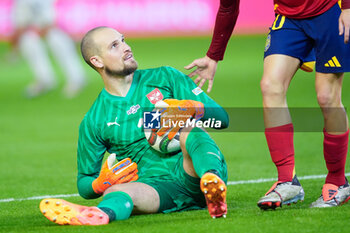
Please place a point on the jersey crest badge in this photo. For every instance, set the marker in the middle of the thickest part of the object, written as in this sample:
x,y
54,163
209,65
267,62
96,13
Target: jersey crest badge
x,y
155,96
197,91
268,43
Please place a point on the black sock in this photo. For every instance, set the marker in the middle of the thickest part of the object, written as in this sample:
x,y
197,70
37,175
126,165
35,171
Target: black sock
x,y
109,212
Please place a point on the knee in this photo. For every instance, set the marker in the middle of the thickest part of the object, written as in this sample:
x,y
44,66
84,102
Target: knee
x,y
113,188
323,99
328,99
271,88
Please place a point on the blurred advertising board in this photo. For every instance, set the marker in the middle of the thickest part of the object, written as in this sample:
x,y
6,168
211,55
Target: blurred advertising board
x,y
148,17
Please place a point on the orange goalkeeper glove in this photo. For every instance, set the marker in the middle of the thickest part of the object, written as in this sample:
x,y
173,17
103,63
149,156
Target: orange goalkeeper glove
x,y
123,172
176,111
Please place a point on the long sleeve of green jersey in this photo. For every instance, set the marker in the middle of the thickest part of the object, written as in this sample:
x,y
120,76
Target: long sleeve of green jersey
x,y
91,150
184,88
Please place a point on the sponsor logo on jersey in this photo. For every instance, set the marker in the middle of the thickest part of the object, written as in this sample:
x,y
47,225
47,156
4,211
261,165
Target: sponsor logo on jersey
x,y
197,91
113,123
268,42
333,62
155,96
133,109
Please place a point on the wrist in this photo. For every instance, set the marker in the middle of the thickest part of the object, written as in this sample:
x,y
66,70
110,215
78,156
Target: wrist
x,y
211,58
97,187
85,189
199,108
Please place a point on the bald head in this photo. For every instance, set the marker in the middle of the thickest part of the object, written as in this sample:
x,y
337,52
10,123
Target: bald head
x,y
89,46
106,51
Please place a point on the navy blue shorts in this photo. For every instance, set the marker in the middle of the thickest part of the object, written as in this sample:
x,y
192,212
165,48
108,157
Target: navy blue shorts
x,y
312,39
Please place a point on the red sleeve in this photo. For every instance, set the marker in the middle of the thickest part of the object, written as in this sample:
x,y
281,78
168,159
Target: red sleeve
x,y
345,4
225,22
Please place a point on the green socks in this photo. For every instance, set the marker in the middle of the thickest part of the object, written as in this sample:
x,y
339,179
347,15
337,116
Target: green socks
x,y
205,154
117,205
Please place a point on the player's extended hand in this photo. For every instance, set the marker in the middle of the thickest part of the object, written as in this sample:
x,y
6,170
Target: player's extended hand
x,y
178,111
344,24
123,172
205,69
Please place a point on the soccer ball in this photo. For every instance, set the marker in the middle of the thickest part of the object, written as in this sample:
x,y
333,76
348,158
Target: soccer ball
x,y
162,143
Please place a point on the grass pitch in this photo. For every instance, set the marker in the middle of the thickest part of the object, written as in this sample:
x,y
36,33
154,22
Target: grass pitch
x,y
39,137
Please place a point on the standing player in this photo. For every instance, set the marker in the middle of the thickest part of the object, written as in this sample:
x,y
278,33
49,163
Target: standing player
x,y
302,29
34,19
166,183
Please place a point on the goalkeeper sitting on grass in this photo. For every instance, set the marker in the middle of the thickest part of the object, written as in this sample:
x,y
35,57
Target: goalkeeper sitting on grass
x,y
145,181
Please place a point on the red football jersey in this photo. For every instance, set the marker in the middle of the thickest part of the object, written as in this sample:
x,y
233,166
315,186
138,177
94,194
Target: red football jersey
x,y
300,9
228,12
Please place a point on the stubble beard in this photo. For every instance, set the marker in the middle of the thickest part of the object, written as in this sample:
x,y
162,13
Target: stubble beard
x,y
128,69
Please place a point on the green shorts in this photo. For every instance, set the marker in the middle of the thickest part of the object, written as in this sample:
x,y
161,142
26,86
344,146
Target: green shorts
x,y
180,193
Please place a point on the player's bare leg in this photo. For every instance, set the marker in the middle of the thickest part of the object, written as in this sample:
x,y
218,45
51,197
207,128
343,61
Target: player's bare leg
x,y
33,50
144,200
187,160
212,186
336,189
64,50
278,73
328,89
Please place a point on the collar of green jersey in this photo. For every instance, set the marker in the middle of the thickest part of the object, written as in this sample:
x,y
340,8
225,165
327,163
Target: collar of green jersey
x,y
130,92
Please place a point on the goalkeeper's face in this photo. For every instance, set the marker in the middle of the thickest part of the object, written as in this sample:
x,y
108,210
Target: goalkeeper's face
x,y
116,55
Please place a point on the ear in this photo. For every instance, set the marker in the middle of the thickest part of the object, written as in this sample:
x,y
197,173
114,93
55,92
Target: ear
x,y
96,61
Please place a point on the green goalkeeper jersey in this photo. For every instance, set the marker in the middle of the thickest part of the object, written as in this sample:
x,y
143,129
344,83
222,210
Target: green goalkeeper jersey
x,y
114,124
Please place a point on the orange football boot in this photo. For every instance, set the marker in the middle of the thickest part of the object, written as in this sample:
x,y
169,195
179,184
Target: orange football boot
x,y
214,190
65,213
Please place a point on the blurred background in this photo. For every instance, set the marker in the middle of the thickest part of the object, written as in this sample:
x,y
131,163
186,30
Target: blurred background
x,y
147,18
40,35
